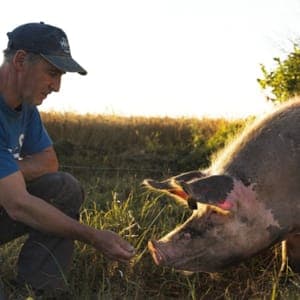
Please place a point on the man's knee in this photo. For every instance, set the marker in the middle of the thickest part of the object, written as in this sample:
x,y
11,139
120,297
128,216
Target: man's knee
x,y
60,189
71,190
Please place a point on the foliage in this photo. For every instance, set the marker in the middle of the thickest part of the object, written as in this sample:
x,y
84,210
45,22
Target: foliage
x,y
284,80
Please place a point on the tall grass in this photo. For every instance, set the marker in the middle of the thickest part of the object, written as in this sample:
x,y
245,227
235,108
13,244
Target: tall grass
x,y
111,155
138,143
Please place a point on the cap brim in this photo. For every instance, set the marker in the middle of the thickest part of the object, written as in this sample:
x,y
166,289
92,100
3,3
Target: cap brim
x,y
65,63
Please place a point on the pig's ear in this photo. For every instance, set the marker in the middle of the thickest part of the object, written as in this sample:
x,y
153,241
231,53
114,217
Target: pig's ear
x,y
157,185
171,187
169,184
212,190
189,176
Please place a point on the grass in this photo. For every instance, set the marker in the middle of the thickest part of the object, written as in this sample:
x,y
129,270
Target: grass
x,y
111,156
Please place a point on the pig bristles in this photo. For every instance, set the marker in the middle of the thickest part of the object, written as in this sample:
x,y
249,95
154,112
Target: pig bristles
x,y
233,145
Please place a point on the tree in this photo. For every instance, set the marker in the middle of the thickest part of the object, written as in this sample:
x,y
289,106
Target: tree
x,y
284,80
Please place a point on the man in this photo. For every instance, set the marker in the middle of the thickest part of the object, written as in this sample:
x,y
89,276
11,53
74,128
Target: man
x,y
35,197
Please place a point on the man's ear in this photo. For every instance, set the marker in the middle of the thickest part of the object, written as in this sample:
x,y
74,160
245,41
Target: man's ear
x,y
19,59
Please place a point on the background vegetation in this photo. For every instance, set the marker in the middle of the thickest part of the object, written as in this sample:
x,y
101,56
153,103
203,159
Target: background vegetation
x,y
111,156
283,82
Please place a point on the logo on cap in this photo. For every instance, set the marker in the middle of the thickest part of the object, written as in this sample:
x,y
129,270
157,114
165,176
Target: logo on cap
x,y
64,45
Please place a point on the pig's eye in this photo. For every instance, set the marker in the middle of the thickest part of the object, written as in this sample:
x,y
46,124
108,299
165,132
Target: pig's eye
x,y
198,232
187,236
191,233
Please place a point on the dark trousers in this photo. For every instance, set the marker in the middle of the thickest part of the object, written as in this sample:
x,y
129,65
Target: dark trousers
x,y
44,259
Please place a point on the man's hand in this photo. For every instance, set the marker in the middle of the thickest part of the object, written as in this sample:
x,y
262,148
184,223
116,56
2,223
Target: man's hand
x,y
113,246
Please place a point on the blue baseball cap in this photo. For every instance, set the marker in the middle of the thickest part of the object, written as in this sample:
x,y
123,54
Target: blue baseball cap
x,y
49,41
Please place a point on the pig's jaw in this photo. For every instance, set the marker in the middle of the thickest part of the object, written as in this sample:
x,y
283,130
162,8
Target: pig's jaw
x,y
184,263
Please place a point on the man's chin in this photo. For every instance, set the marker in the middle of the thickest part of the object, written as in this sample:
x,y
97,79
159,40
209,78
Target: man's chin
x,y
34,102
38,102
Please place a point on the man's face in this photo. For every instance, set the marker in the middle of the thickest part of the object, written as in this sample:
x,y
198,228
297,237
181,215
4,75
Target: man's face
x,y
38,80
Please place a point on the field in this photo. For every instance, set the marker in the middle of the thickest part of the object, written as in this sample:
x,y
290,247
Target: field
x,y
111,156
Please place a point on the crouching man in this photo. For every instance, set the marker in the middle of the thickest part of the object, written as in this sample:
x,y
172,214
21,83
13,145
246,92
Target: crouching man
x,y
36,198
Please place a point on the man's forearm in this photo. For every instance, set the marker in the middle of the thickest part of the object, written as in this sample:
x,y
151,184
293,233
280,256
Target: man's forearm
x,y
46,218
38,164
40,215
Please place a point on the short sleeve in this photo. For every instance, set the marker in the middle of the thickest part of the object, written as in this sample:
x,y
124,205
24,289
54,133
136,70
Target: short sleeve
x,y
36,136
8,164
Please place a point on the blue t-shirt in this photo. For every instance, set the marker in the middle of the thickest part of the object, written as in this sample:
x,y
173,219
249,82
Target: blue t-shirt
x,y
21,133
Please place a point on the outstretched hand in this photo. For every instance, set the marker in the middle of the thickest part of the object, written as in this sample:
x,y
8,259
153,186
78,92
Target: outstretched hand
x,y
113,246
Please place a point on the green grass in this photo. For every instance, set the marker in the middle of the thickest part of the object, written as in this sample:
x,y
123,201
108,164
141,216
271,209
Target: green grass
x,y
111,159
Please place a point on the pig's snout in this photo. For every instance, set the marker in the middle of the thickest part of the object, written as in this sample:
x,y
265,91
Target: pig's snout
x,y
156,253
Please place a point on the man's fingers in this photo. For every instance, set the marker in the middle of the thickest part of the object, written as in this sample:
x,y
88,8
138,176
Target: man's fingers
x,y
122,252
115,247
127,251
126,246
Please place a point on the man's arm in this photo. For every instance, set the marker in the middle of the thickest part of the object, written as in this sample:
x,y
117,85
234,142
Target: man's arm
x,y
36,213
38,164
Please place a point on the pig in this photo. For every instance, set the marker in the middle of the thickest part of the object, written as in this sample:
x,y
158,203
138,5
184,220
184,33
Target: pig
x,y
245,202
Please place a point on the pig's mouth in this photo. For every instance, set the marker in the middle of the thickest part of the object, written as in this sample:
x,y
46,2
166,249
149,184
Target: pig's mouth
x,y
157,255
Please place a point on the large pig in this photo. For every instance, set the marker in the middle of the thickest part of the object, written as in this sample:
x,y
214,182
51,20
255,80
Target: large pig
x,y
248,200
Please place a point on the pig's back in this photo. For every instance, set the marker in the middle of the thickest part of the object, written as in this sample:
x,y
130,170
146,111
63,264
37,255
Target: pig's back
x,y
267,155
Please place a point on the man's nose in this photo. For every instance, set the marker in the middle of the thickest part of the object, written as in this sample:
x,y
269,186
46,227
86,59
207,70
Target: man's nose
x,y
55,84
